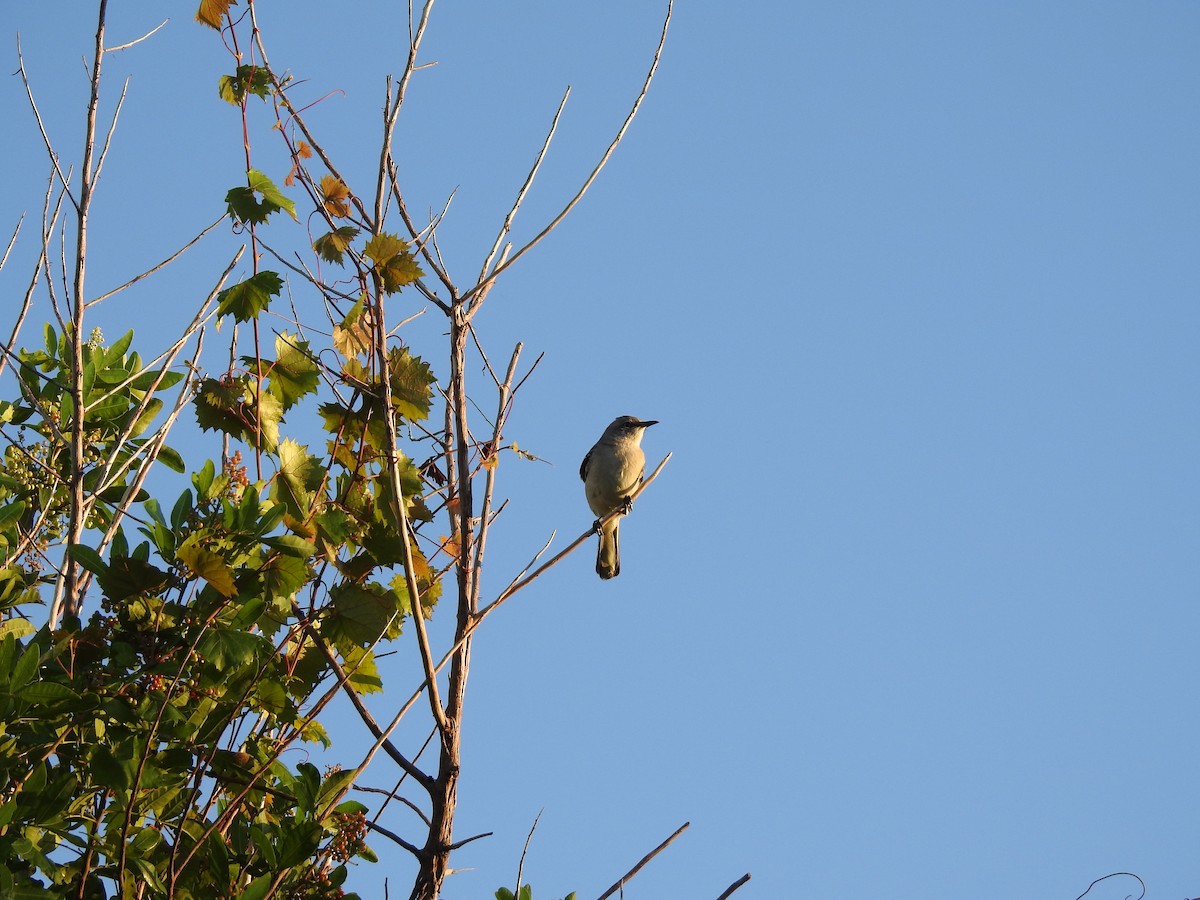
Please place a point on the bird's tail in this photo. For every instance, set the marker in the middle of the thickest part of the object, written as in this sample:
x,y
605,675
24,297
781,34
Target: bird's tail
x,y
608,554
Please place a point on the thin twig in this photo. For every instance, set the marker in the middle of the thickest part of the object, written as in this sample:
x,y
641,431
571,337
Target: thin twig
x,y
641,862
395,838
137,40
41,126
574,201
537,164
525,851
166,262
466,841
11,241
733,887
108,136
1114,875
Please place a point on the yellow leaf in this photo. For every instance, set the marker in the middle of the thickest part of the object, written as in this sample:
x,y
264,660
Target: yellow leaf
x,y
212,12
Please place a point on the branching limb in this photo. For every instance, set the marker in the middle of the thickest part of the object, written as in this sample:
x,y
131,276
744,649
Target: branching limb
x,y
574,201
395,838
537,164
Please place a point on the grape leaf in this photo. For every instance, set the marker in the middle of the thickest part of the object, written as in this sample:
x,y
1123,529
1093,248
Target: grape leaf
x,y
248,298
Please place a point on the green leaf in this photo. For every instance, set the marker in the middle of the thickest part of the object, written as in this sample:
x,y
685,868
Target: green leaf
x,y
18,628
295,372
299,474
292,545
246,299
143,421
170,458
364,673
282,576
332,247
393,261
230,650
362,613
11,513
208,565
147,380
412,384
248,80
127,576
202,480
110,771
88,558
244,205
258,888
232,405
44,693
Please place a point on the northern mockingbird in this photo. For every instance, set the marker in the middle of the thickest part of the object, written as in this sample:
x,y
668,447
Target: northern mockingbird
x,y
611,471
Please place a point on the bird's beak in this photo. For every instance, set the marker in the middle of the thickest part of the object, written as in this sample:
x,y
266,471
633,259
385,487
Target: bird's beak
x,y
647,424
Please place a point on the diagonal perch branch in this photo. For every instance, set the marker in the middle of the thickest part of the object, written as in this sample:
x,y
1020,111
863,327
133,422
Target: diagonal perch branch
x,y
641,862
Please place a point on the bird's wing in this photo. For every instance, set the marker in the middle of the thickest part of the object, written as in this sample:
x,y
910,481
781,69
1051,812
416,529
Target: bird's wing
x,y
583,467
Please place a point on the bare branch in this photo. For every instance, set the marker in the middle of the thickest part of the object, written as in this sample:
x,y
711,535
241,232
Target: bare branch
x,y
641,862
137,40
41,126
27,301
166,262
733,887
11,241
395,838
108,136
466,841
525,851
479,617
554,223
392,114
537,164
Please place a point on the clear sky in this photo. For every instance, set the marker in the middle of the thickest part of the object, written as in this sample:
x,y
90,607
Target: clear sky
x,y
914,291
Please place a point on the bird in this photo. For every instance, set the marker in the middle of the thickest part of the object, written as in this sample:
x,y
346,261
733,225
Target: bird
x,y
611,472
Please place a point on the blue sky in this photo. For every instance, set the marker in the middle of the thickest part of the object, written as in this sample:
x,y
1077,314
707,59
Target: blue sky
x,y
912,288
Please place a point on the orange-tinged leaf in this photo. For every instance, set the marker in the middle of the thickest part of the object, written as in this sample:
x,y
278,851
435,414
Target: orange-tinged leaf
x,y
449,547
336,195
304,151
212,12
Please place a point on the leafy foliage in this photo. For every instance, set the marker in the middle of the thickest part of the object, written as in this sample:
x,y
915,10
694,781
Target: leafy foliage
x,y
393,261
248,80
245,300
244,205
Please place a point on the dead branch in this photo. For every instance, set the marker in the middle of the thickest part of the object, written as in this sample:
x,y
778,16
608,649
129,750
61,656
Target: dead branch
x,y
641,862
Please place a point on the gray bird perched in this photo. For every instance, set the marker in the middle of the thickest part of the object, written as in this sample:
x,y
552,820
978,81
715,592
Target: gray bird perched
x,y
611,471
